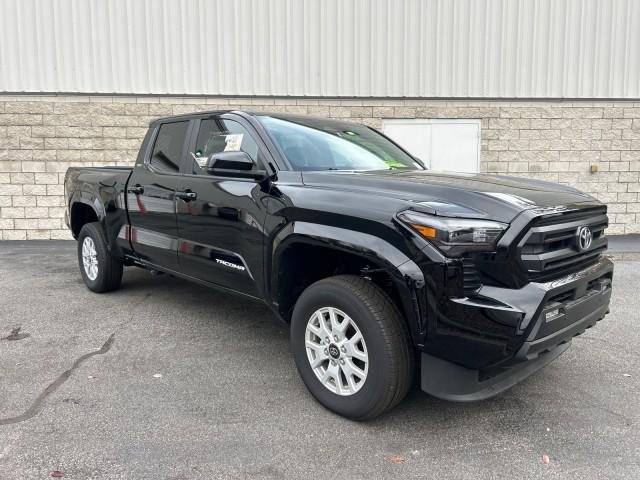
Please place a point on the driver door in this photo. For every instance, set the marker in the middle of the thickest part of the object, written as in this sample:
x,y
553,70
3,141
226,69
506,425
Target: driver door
x,y
220,219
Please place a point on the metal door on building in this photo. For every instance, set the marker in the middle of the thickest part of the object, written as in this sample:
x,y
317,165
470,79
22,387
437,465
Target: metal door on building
x,y
442,144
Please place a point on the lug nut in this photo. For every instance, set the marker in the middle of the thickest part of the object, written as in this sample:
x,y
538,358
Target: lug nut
x,y
342,361
326,352
326,339
344,349
335,337
333,362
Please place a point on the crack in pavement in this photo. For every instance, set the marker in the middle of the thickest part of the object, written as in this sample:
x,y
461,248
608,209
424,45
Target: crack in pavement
x,y
15,335
37,405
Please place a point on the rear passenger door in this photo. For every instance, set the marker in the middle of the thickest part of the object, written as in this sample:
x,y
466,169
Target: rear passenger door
x,y
151,197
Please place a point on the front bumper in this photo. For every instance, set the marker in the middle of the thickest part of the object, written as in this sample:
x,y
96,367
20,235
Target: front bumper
x,y
531,327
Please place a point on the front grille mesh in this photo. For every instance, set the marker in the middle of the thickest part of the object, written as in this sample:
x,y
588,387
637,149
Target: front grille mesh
x,y
550,250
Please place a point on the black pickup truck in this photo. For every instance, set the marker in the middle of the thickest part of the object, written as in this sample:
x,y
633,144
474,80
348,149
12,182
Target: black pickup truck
x,y
384,271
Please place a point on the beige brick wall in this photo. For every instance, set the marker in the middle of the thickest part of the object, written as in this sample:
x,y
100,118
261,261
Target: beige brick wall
x,y
41,136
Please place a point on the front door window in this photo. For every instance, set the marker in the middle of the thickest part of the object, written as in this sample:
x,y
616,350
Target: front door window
x,y
221,135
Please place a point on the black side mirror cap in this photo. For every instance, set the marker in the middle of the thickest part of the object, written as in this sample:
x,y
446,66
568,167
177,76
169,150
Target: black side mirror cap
x,y
229,161
234,165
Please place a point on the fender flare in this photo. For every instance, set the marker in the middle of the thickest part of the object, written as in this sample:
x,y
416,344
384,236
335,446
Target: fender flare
x,y
90,199
405,273
95,203
102,200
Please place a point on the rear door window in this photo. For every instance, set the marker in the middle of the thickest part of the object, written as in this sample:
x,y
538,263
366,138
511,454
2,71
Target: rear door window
x,y
167,150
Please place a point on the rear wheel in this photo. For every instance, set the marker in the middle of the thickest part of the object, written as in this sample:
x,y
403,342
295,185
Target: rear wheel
x,y
351,347
100,271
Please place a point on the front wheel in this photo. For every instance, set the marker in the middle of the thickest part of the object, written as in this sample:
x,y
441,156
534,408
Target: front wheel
x,y
100,271
351,347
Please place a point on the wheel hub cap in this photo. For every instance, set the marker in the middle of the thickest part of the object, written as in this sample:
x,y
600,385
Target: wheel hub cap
x,y
336,351
90,258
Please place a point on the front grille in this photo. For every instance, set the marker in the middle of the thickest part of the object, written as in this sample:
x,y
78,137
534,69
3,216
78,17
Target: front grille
x,y
550,250
561,297
471,275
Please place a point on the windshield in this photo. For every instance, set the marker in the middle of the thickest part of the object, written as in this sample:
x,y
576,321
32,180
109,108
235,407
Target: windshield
x,y
319,144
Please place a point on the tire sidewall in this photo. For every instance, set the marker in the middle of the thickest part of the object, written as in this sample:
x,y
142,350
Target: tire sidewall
x,y
329,295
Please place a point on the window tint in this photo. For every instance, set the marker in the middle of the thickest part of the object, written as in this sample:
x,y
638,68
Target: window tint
x,y
168,147
219,135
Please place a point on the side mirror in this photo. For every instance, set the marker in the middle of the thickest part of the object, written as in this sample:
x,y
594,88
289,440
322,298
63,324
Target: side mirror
x,y
234,165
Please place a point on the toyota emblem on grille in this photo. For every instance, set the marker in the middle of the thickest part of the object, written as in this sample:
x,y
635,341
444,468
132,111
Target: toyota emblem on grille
x,y
584,238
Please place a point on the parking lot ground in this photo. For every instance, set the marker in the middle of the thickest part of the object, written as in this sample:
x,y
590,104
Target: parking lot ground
x,y
164,379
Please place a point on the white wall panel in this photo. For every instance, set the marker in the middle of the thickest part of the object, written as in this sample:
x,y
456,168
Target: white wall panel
x,y
381,48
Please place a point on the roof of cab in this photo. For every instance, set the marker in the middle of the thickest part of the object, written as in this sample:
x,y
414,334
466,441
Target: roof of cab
x,y
245,113
208,113
186,116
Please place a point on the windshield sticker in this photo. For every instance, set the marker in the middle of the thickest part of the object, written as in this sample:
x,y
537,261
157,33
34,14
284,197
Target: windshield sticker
x,y
233,142
394,164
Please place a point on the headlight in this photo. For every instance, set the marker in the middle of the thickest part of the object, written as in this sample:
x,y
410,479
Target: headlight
x,y
455,236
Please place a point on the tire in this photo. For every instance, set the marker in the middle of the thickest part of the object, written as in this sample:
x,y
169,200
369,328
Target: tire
x,y
390,357
108,273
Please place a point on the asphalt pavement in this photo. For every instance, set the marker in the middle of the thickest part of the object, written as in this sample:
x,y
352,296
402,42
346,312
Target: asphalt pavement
x,y
164,379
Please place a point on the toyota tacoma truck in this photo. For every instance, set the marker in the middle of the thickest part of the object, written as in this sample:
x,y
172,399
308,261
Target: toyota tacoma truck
x,y
387,274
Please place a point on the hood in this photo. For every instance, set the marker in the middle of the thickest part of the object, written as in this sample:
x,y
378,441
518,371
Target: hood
x,y
498,198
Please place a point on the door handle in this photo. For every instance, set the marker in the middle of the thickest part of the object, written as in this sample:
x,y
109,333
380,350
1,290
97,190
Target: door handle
x,y
136,189
187,195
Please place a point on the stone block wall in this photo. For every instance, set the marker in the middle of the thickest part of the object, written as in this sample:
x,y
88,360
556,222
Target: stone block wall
x,y
559,141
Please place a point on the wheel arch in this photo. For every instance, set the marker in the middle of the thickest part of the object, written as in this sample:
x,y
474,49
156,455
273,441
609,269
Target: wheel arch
x,y
83,209
304,253
87,206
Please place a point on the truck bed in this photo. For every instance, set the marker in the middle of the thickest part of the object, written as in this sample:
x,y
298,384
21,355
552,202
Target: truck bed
x,y
108,168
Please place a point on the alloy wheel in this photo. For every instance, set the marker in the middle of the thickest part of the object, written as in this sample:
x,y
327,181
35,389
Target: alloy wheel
x,y
336,351
90,258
